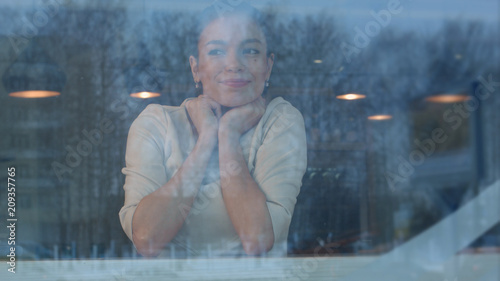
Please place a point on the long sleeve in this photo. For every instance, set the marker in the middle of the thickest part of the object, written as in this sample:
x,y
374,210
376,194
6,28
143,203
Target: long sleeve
x,y
145,161
161,138
280,164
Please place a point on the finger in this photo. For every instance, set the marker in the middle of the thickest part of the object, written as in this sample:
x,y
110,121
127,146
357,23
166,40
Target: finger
x,y
215,106
218,111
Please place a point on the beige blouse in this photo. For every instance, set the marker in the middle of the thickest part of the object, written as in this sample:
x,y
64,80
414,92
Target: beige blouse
x,y
161,138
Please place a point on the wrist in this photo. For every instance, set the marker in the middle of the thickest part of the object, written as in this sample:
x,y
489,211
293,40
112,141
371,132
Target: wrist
x,y
229,136
207,139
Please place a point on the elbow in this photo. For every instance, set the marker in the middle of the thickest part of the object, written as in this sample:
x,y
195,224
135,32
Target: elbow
x,y
145,245
257,247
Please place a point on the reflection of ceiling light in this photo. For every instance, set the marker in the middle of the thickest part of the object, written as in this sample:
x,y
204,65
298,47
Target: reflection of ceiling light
x,y
447,98
34,94
351,97
381,117
145,95
318,61
458,56
34,74
145,81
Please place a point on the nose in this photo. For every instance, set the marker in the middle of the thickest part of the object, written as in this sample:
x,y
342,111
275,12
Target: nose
x,y
233,62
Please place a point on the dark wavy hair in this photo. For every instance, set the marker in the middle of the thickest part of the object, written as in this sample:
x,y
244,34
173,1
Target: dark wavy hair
x,y
220,8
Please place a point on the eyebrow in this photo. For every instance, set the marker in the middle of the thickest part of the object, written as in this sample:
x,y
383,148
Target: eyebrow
x,y
221,42
216,42
254,40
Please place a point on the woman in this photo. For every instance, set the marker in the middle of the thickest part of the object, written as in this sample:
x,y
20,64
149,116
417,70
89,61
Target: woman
x,y
220,174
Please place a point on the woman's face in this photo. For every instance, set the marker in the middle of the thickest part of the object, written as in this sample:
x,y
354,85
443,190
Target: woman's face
x,y
232,63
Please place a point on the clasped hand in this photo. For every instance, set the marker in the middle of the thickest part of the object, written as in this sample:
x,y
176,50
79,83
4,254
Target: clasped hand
x,y
207,117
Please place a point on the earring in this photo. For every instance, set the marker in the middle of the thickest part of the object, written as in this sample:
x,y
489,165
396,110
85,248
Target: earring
x,y
197,85
267,83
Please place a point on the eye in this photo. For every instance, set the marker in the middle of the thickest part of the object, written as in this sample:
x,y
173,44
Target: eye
x,y
251,52
216,52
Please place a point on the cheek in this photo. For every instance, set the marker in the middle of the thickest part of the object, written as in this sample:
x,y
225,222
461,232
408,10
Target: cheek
x,y
209,67
260,68
207,73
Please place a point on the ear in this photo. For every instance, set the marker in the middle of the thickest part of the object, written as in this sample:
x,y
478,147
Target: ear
x,y
193,62
270,63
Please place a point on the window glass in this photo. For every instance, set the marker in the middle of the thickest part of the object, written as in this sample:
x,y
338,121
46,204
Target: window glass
x,y
400,107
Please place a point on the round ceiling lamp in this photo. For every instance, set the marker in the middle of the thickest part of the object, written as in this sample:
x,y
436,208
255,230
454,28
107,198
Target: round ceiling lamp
x,y
351,96
448,98
380,117
145,95
144,81
382,106
449,92
34,75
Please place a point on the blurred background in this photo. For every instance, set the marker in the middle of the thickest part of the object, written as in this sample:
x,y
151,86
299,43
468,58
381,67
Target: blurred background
x,y
400,101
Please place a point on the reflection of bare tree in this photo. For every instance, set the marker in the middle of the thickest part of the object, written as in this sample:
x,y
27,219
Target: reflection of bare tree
x,y
84,43
459,51
171,45
446,61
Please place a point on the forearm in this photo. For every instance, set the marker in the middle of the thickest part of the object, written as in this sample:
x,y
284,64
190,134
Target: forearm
x,y
159,215
244,200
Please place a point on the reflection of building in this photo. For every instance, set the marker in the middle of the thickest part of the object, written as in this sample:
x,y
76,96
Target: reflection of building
x,y
59,214
391,182
33,144
445,156
331,211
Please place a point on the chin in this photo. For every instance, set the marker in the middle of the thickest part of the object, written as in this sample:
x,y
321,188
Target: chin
x,y
237,101
232,103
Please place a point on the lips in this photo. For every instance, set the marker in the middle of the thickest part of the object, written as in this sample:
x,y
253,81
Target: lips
x,y
236,83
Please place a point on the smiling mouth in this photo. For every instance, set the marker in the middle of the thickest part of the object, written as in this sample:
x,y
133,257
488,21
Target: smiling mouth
x,y
236,83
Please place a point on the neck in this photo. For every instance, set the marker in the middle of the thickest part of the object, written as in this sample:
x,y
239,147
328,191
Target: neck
x,y
224,109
